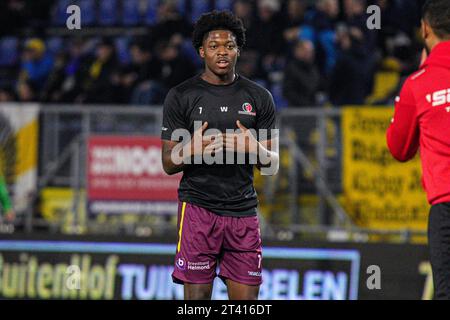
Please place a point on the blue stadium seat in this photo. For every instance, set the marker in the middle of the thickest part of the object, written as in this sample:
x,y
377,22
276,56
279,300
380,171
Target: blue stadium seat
x,y
54,44
108,12
224,5
130,12
59,16
151,15
8,51
198,7
88,12
123,53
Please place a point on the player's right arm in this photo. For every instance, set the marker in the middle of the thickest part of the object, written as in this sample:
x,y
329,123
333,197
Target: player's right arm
x,y
403,133
173,118
168,165
179,147
172,150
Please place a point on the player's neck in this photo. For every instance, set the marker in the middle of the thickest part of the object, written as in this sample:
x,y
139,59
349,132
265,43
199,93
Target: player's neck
x,y
214,79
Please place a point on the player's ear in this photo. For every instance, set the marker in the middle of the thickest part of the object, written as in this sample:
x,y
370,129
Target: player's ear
x,y
201,51
238,52
425,28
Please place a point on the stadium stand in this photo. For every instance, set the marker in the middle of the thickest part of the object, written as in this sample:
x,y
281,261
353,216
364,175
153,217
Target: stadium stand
x,y
337,32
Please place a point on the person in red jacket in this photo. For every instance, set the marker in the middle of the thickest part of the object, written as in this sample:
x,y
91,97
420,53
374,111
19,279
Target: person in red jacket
x,y
422,119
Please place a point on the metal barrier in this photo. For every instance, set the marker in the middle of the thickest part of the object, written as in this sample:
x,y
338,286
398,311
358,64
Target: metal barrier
x,y
310,148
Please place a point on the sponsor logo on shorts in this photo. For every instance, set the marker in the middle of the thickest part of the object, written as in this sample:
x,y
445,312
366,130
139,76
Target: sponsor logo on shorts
x,y
181,264
254,274
198,266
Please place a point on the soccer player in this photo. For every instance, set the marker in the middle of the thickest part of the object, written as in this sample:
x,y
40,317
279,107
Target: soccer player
x,y
217,221
422,118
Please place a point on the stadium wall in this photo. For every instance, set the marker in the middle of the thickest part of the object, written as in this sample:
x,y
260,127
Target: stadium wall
x,y
140,268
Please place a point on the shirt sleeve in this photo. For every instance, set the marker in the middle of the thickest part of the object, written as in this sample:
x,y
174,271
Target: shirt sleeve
x,y
403,133
266,118
173,116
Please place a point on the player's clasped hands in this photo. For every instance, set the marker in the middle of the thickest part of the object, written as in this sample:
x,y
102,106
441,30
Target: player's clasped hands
x,y
209,144
241,142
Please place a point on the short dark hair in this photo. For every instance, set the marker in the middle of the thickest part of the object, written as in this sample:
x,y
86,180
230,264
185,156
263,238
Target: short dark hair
x,y
437,14
218,20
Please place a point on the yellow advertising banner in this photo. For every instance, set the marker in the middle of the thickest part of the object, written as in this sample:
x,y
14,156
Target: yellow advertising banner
x,y
379,192
19,131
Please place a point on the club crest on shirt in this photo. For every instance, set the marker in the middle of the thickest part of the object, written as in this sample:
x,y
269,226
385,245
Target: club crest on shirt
x,y
247,109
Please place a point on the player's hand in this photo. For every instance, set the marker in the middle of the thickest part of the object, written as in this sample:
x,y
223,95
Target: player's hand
x,y
215,145
10,215
189,149
213,142
242,142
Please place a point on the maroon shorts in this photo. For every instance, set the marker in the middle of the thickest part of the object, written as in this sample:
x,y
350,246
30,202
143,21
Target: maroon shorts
x,y
207,240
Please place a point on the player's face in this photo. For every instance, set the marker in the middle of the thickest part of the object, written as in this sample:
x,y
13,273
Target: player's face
x,y
220,52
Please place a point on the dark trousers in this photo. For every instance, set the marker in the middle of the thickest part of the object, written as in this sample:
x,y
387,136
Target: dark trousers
x,y
439,244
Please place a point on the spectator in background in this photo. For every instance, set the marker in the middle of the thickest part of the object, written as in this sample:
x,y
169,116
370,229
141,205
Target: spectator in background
x,y
363,39
396,38
356,19
295,17
243,9
249,63
7,95
139,80
26,92
296,10
51,91
320,25
171,26
266,37
348,84
247,66
97,85
36,63
175,67
392,25
301,76
74,70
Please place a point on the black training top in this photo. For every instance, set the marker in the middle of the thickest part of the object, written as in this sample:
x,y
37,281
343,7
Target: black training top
x,y
223,189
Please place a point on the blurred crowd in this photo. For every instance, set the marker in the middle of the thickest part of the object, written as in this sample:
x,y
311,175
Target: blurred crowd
x,y
307,53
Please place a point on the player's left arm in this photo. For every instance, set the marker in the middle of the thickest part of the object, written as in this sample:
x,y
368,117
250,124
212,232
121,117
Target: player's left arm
x,y
268,144
268,157
403,133
265,151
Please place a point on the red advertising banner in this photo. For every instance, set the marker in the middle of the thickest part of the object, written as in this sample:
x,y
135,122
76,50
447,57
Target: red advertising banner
x,y
128,168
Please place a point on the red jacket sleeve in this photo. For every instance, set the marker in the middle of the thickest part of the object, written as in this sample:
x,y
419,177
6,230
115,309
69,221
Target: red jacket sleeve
x,y
403,133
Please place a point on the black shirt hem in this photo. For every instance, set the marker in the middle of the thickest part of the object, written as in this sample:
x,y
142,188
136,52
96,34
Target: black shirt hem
x,y
221,212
